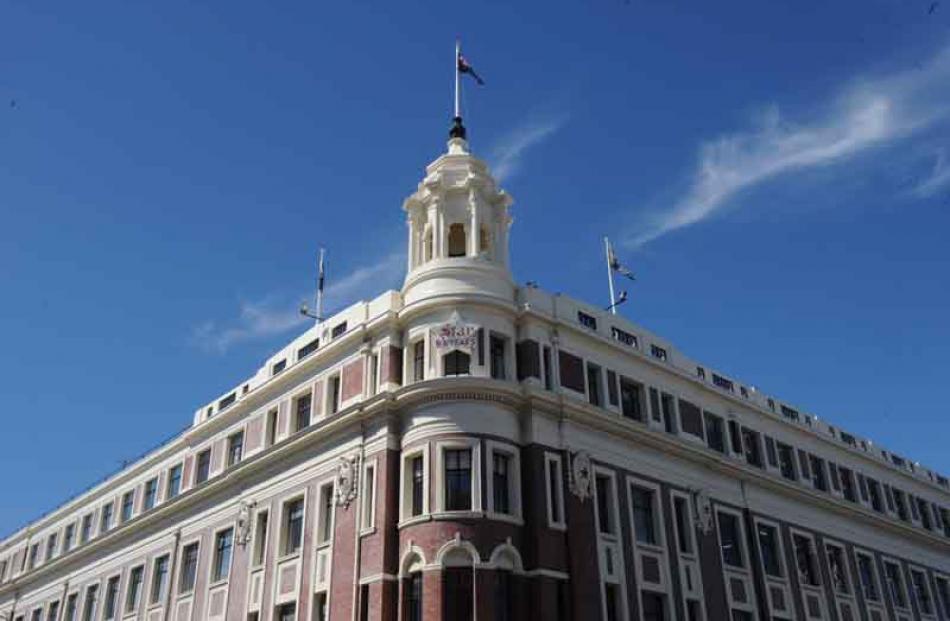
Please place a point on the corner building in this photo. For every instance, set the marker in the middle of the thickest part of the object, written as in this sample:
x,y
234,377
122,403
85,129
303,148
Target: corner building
x,y
466,448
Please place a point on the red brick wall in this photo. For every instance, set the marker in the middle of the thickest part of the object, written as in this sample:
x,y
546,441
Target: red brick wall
x,y
341,579
352,379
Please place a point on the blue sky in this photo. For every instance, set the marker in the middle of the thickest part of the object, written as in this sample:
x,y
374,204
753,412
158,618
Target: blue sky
x,y
777,174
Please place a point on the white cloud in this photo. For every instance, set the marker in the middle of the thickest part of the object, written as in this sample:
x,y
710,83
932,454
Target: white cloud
x,y
939,177
272,316
868,113
508,152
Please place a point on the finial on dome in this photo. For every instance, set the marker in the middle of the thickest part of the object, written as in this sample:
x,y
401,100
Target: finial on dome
x,y
458,130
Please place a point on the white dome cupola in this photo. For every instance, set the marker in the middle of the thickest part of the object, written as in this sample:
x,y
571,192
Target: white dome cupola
x,y
458,224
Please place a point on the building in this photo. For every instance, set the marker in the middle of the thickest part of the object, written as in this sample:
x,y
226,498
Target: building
x,y
467,448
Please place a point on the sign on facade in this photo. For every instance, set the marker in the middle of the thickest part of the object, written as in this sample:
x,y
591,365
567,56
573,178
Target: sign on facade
x,y
455,334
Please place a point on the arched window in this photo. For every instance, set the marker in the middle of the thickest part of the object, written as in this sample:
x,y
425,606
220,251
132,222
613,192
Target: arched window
x,y
504,595
457,585
456,363
457,240
412,596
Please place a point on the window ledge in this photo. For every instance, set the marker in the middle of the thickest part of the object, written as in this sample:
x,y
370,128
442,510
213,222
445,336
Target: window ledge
x,y
416,519
505,517
456,515
283,558
368,531
218,582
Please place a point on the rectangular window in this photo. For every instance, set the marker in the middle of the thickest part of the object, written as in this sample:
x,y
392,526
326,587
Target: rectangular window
x,y
593,385
626,338
817,467
189,568
369,496
786,461
846,480
302,412
128,505
546,356
588,321
924,512
85,529
555,501
223,543
174,482
335,394
868,577
805,559
603,487
287,612
943,592
644,517
691,418
373,374
133,591
112,596
735,438
235,448
271,427
151,493
69,614
417,469
325,527
53,613
654,606
921,592
293,526
50,547
612,397
501,496
418,361
203,469
278,367
260,538
730,539
714,432
895,584
458,479
684,525
658,352
496,353
751,446
308,349
159,579
90,607
770,453
838,569
769,549
412,589
105,521
34,555
874,494
338,330
631,405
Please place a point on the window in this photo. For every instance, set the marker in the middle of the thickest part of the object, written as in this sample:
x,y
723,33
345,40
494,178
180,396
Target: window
x,y
85,529
90,607
496,354
338,330
631,405
546,356
456,240
610,601
786,461
189,568
588,321
308,349
302,412
817,467
770,550
752,447
838,569
69,614
112,596
50,547
223,543
278,367
105,521
714,432
227,401
133,591
684,525
805,559
723,383
418,361
642,504
603,488
320,607
364,602
895,584
874,493
943,592
69,534
159,579
735,438
369,496
260,538
128,505
730,539
846,479
412,590
658,352
235,448
624,337
53,613
286,612
203,469
921,592
293,526
335,394
417,474
612,397
593,385
457,588
174,482
868,577
151,492
458,479
554,481
325,524
373,374
654,606
501,482
504,596
456,363
924,512
34,554
691,417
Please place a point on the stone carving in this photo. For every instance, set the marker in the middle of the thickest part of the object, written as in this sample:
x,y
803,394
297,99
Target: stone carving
x,y
244,522
346,481
581,473
704,512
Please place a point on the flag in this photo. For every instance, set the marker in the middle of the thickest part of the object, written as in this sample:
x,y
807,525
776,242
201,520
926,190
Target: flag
x,y
616,266
464,67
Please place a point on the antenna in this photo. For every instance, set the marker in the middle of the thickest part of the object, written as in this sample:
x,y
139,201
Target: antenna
x,y
304,309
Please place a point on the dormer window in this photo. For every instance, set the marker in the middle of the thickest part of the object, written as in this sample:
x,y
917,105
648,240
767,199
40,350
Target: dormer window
x,y
457,240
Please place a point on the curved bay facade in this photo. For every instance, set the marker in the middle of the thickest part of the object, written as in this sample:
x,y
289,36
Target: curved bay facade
x,y
466,448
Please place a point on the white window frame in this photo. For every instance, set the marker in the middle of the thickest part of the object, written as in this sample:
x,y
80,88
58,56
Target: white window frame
x,y
816,555
368,497
257,545
166,488
283,533
176,579
119,608
834,543
440,448
104,528
242,431
692,557
938,578
550,457
514,481
600,384
330,406
297,396
213,560
743,546
405,484
321,516
409,366
875,576
156,500
150,580
126,610
659,524
900,568
934,606
782,559
614,517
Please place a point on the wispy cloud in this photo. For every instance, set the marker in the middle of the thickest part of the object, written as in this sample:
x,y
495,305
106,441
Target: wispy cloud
x,y
938,179
868,113
274,315
507,155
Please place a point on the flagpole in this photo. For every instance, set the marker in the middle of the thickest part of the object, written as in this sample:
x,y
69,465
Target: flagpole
x,y
320,287
610,276
458,50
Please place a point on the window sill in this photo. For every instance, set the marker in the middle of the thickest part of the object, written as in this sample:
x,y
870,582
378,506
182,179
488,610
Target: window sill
x,y
561,526
505,517
218,582
323,545
370,530
457,515
416,519
289,556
